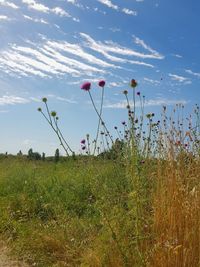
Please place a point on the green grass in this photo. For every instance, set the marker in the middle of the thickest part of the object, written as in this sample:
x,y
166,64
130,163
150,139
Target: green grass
x,y
57,212
94,212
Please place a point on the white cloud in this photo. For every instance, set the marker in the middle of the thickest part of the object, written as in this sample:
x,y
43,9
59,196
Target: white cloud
x,y
11,100
141,43
151,81
50,58
8,4
77,50
70,101
108,3
32,4
36,20
108,48
3,17
177,55
59,11
178,78
129,12
148,103
197,74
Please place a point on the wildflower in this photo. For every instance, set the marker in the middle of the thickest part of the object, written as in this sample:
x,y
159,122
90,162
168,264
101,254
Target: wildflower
x,y
53,113
148,115
83,147
133,83
115,127
39,109
102,83
123,123
125,92
44,99
83,141
138,93
86,86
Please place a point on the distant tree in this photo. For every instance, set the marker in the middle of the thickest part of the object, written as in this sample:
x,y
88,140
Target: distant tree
x,y
30,153
57,155
36,156
19,153
43,156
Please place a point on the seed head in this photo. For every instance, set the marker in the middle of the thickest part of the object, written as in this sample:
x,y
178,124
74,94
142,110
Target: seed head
x,y
53,113
44,99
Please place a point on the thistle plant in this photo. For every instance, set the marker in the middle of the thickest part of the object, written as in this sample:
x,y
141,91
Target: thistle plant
x,y
52,120
86,87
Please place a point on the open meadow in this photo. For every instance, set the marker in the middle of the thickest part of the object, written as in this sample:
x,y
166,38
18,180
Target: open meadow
x,y
100,211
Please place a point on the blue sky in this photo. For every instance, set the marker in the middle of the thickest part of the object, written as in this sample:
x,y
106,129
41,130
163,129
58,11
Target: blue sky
x,y
49,48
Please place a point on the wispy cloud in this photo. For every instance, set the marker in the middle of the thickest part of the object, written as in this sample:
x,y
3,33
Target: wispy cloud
x,y
32,4
8,4
197,74
129,12
141,43
35,20
108,3
179,78
78,51
111,47
148,103
11,100
151,81
3,17
177,55
51,58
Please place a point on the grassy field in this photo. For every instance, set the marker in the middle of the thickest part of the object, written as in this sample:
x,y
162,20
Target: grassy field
x,y
97,212
136,204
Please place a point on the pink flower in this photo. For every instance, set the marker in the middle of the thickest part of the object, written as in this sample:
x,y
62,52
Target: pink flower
x,y
102,83
86,86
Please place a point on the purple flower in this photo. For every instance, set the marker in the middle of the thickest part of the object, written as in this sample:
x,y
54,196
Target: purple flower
x,y
86,86
83,141
138,93
83,147
123,122
102,83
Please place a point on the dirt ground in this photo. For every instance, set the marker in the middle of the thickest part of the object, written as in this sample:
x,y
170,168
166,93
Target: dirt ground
x,y
5,258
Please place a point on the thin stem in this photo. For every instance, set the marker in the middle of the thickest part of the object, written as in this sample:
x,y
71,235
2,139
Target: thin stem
x,y
103,123
100,113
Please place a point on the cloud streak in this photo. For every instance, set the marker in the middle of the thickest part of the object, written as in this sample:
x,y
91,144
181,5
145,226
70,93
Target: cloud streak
x,y
124,10
32,4
8,4
148,103
12,100
179,78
